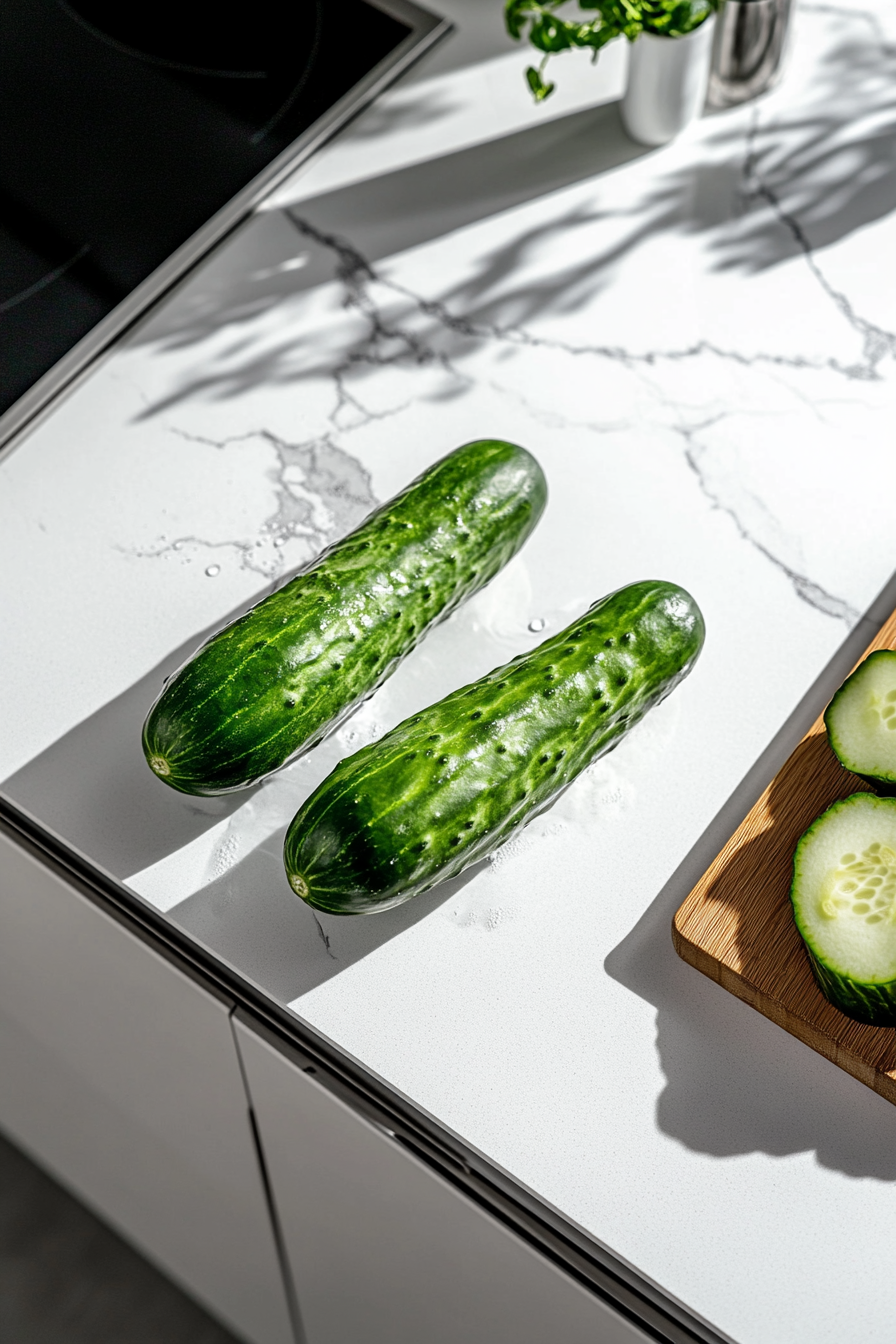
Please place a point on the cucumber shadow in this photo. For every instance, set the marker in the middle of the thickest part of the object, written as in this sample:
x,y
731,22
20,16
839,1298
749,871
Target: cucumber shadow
x,y
736,1083
94,789
250,918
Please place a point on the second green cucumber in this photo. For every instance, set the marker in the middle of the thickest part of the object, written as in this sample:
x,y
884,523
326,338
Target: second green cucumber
x,y
449,785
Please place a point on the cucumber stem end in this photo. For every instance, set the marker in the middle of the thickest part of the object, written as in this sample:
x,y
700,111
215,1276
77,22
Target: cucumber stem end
x,y
299,885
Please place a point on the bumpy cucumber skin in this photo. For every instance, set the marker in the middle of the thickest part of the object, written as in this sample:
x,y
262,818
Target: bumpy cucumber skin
x,y
872,1004
274,682
884,784
864,1001
448,786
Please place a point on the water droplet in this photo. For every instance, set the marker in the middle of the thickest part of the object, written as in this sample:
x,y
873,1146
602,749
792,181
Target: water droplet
x,y
213,570
279,541
537,624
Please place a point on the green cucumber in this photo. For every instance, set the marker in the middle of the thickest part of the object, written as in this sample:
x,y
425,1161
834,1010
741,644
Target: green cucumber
x,y
861,721
274,682
844,904
448,786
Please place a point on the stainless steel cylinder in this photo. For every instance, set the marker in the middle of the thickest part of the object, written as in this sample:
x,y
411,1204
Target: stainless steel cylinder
x,y
747,50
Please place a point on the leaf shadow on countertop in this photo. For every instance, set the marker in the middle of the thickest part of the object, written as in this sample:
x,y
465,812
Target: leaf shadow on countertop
x,y
736,1082
770,183
395,211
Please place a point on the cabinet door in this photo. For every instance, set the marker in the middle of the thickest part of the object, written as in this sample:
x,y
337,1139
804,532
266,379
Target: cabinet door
x,y
119,1073
385,1250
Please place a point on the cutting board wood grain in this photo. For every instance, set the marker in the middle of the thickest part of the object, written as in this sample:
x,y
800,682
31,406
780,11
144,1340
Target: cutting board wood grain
x,y
736,925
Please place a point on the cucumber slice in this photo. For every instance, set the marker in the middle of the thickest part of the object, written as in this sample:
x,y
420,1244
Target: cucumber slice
x,y
844,904
861,720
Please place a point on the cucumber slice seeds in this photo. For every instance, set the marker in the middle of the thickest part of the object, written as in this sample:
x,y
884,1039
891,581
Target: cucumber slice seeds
x,y
861,720
844,904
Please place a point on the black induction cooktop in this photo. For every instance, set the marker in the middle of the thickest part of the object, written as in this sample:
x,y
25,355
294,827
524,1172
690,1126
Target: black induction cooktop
x,y
133,136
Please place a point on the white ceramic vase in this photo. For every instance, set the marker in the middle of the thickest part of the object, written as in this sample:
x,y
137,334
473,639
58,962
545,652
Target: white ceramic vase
x,y
667,80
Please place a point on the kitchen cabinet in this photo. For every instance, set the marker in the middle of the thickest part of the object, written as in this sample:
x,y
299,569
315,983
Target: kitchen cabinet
x,y
120,1076
383,1247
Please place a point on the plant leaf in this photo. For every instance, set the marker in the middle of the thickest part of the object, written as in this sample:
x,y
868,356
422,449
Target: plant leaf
x,y
550,34
540,90
516,12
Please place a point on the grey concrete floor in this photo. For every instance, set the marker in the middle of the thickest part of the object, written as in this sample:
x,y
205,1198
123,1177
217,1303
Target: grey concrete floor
x,y
66,1278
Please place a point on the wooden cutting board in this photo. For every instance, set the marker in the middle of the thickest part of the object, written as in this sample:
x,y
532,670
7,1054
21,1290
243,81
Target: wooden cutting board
x,y
737,927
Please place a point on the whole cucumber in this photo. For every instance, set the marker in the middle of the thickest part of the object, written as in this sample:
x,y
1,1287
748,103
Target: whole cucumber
x,y
276,680
448,786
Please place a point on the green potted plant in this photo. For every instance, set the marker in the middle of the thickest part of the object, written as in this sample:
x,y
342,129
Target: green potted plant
x,y
669,65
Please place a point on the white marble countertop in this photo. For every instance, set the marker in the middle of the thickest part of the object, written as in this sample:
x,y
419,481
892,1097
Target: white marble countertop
x,y
698,345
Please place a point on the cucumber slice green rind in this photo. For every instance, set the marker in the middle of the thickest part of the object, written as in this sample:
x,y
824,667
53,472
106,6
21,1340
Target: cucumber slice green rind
x,y
854,970
874,1005
274,682
450,784
858,720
